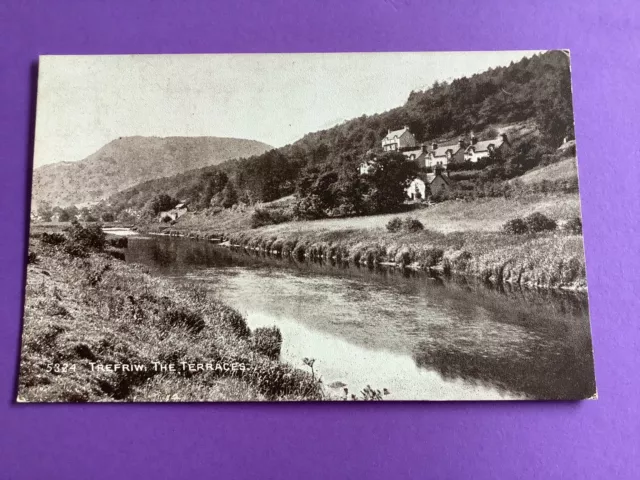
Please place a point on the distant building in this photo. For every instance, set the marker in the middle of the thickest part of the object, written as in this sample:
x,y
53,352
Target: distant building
x,y
441,155
417,189
477,150
173,214
430,184
397,140
438,182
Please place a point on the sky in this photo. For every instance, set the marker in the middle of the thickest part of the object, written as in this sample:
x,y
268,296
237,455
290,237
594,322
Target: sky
x,y
84,102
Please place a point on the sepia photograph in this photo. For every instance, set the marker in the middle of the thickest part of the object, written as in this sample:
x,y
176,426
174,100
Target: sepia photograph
x,y
306,227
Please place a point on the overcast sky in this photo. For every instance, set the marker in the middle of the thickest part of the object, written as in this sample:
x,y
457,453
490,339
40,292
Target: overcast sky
x,y
85,102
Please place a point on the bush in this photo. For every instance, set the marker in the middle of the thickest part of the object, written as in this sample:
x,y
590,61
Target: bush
x,y
53,238
268,341
32,258
183,317
262,216
90,237
394,225
108,217
413,225
574,226
76,250
119,242
537,222
517,226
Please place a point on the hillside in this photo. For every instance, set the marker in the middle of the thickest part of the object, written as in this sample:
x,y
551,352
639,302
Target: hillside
x,y
564,170
533,95
128,161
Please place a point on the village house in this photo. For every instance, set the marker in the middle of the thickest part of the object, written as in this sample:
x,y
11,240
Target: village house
x,y
477,150
441,155
397,140
430,184
173,214
438,182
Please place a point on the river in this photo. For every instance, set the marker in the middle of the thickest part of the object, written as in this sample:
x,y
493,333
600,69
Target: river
x,y
417,336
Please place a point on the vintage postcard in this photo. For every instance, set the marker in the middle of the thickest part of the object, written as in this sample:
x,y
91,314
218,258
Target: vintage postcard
x,y
293,227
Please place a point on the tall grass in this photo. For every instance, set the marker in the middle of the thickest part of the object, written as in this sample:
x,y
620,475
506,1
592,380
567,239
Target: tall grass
x,y
548,260
96,310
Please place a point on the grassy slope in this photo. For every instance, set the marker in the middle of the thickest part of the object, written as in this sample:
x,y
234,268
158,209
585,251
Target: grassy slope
x,y
98,309
467,232
564,170
482,215
464,237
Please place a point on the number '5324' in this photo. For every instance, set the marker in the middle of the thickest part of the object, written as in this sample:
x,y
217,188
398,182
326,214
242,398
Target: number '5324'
x,y
61,367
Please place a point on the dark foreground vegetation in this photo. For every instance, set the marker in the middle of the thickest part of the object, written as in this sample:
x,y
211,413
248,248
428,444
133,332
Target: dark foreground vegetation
x,y
84,308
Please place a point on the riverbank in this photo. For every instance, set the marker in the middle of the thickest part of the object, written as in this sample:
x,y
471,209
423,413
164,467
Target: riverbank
x,y
97,329
462,238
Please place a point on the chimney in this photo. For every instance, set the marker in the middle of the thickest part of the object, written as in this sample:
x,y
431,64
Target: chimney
x,y
434,145
461,142
474,139
424,148
505,139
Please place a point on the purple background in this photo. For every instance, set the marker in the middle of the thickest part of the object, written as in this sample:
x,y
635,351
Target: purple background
x,y
591,439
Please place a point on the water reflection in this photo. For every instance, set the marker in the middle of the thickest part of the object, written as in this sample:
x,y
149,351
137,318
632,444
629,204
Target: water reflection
x,y
420,337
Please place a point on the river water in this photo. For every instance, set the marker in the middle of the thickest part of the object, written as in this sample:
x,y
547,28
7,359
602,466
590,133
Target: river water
x,y
417,336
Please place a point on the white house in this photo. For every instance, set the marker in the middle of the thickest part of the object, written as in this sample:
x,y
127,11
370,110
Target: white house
x,y
397,140
478,150
441,155
417,189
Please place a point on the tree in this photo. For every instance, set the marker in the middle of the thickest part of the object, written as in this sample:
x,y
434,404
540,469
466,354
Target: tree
x,y
160,203
229,196
107,217
64,216
45,212
388,179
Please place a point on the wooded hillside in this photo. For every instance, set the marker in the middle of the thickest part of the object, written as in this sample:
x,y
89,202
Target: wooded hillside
x,y
534,89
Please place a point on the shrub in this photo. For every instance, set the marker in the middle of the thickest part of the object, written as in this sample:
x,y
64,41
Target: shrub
x,y
32,258
268,341
516,226
90,237
75,250
182,317
403,256
413,225
262,216
394,225
108,217
53,238
119,242
574,226
432,256
537,222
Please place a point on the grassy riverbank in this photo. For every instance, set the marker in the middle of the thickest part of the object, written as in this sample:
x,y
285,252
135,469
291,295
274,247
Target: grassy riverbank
x,y
87,311
459,237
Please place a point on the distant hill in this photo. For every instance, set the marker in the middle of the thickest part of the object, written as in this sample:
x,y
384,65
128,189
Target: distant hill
x,y
128,161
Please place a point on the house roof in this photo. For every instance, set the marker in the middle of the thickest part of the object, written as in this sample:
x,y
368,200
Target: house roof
x,y
396,133
432,176
483,146
180,205
441,151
